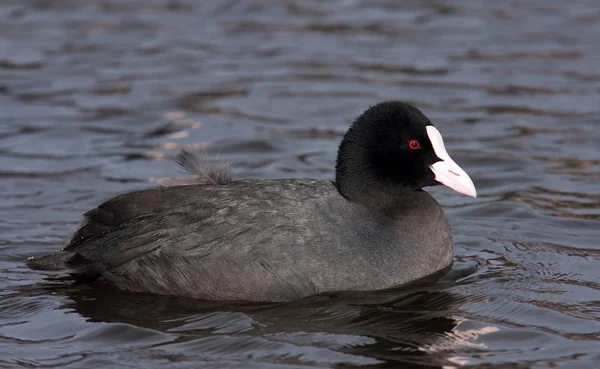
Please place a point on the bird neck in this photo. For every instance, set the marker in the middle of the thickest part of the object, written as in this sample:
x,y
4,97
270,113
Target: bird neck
x,y
356,180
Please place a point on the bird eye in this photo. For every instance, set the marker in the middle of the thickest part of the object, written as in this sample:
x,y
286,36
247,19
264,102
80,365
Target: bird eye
x,y
414,144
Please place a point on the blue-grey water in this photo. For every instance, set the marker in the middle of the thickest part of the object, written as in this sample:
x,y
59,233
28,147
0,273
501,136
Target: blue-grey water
x,y
98,96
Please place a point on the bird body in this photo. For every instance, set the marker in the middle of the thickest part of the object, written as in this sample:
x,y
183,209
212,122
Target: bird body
x,y
275,240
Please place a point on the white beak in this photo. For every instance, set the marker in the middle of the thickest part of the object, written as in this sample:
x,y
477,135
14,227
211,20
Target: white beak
x,y
446,171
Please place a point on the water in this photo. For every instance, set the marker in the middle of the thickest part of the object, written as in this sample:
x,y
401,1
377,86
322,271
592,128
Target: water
x,y
97,97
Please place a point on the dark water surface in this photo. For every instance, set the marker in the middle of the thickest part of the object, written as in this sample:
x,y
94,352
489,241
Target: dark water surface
x,y
97,97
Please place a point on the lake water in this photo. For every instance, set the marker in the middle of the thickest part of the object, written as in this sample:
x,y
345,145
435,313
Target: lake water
x,y
97,97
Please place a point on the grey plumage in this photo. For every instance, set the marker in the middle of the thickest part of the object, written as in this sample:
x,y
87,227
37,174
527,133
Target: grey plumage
x,y
265,240
201,171
210,174
277,240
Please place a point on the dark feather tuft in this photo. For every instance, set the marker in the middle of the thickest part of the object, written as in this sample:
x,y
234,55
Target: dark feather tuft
x,y
203,173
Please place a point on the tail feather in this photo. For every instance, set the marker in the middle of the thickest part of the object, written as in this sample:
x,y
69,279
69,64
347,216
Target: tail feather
x,y
65,265
53,262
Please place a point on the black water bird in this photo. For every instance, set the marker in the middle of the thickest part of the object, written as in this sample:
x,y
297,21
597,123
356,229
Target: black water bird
x,y
279,240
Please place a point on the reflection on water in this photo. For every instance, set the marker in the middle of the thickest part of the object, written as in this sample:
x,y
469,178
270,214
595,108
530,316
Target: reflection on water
x,y
97,98
409,326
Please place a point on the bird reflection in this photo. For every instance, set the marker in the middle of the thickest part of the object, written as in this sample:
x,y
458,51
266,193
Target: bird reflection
x,y
384,329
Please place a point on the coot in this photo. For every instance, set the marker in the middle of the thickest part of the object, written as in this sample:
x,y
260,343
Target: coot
x,y
279,240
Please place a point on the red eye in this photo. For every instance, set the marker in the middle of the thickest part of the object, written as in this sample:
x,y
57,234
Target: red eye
x,y
414,144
